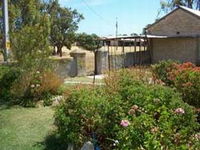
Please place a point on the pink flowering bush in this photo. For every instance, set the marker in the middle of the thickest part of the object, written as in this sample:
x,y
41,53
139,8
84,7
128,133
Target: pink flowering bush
x,y
158,119
136,115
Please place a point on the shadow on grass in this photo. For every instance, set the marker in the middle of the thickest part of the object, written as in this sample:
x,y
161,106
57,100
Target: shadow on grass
x,y
53,142
4,105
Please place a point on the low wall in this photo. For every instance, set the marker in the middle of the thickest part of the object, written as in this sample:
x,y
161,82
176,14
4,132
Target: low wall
x,y
65,67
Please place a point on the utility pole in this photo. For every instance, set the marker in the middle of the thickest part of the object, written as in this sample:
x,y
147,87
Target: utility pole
x,y
116,34
6,30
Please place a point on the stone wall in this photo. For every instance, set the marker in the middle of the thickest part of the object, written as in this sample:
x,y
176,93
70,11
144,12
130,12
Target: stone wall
x,y
65,67
71,67
179,22
181,49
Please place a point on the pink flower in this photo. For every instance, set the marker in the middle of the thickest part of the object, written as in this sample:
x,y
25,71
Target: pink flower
x,y
125,123
179,111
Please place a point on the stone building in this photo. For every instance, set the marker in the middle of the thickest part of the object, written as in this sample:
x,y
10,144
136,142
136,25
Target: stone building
x,y
176,36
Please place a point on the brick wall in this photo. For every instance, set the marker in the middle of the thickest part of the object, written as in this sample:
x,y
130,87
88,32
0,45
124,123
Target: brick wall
x,y
178,21
182,49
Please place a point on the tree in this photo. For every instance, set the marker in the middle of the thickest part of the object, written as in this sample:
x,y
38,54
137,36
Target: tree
x,y
22,13
168,5
90,42
30,45
64,23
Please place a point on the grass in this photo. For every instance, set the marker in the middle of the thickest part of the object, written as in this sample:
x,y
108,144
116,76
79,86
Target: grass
x,y
25,128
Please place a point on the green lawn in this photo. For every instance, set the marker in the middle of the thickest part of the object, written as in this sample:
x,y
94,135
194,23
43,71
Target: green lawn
x,y
25,128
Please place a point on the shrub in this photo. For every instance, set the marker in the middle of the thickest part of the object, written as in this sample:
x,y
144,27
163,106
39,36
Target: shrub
x,y
158,119
132,115
87,114
3,70
186,79
34,86
8,75
162,69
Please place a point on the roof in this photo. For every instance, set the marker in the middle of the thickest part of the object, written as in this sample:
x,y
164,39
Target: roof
x,y
174,36
189,10
195,12
141,37
122,37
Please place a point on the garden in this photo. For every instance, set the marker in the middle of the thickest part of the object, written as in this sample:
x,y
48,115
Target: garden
x,y
141,108
153,107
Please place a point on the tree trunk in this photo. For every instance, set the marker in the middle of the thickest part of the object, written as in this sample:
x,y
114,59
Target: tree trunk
x,y
54,50
59,50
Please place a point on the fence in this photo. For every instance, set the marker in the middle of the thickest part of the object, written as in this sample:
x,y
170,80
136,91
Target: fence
x,y
124,52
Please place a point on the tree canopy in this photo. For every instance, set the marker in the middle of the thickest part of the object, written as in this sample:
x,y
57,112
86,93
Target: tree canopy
x,y
88,42
64,23
168,5
27,15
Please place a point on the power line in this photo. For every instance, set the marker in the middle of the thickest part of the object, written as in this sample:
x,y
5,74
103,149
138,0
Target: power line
x,y
96,13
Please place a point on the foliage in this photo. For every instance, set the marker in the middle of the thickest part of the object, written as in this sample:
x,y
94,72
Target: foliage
x,y
154,123
89,42
186,79
34,86
87,114
64,23
30,44
29,13
167,5
162,69
7,76
131,115
23,13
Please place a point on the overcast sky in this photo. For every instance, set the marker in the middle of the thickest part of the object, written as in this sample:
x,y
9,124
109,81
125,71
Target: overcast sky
x,y
100,15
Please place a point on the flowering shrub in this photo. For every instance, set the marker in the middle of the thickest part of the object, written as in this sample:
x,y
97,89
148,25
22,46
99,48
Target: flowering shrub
x,y
132,115
88,114
162,69
184,77
158,119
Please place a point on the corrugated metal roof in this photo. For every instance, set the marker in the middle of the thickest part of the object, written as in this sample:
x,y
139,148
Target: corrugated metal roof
x,y
195,12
